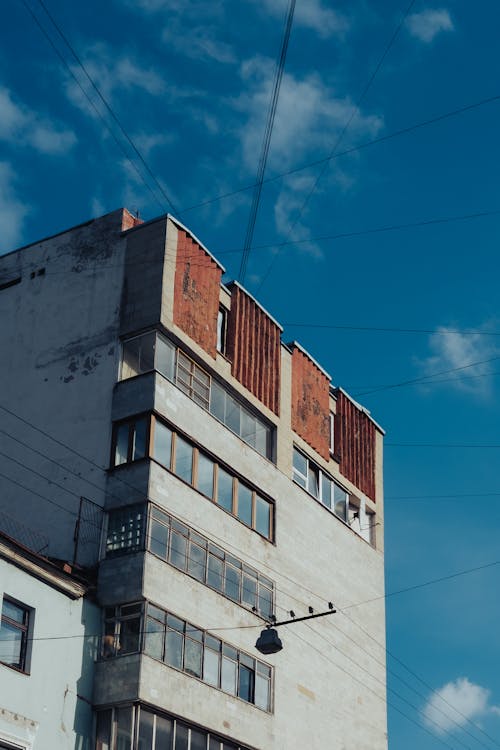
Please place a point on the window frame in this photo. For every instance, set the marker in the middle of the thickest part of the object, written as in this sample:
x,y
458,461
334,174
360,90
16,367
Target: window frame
x,y
26,630
314,468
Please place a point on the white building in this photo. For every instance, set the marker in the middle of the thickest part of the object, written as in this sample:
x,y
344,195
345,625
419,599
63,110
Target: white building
x,y
237,484
48,645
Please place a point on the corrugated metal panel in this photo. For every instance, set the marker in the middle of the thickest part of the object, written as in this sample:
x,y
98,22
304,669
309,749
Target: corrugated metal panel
x,y
310,403
196,293
355,444
253,345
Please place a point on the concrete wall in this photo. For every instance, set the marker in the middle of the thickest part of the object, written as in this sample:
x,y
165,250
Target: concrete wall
x,y
60,355
315,559
50,706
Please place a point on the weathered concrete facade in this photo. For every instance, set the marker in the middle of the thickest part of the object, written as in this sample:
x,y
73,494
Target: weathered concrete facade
x,y
210,445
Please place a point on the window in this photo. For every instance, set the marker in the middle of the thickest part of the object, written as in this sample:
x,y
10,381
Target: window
x,y
122,630
185,647
194,554
320,485
125,530
221,330
16,625
153,731
152,351
131,440
332,433
181,457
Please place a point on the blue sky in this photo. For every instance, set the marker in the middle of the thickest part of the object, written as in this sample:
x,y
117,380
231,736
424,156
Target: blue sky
x,y
190,81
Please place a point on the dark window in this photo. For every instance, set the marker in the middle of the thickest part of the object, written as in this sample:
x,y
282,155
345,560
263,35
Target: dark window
x,y
14,634
125,530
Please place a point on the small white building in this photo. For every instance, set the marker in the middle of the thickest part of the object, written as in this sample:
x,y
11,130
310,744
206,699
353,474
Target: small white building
x,y
47,649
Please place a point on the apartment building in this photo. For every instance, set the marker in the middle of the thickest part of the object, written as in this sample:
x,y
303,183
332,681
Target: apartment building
x,y
213,475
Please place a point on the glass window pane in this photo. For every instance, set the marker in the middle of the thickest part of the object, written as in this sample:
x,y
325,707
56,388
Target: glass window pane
x,y
214,743
233,411
244,504
217,401
198,740
192,657
130,632
263,516
181,737
103,730
263,439
313,480
205,475
184,459
123,728
299,462
245,684
232,586
228,676
158,539
11,642
225,490
214,575
140,439
165,357
326,491
121,446
340,500
261,692
153,638
162,443
164,733
197,562
125,530
211,667
178,545
249,591
265,601
145,738
173,648
248,427
13,611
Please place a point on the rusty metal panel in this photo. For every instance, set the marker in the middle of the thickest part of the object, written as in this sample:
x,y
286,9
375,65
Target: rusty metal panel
x,y
196,293
310,403
253,345
355,445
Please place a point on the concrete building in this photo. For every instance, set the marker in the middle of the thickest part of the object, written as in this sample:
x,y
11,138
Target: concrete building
x,y
232,479
48,645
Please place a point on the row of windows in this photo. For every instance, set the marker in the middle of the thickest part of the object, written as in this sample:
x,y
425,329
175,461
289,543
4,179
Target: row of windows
x,y
15,625
137,728
134,627
152,351
321,486
147,435
194,554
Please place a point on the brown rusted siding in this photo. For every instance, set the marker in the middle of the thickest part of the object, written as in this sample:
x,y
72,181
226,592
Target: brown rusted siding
x,y
355,445
253,345
129,221
310,403
196,293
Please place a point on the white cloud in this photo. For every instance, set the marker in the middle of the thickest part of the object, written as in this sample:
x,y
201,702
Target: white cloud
x,y
309,119
456,351
310,14
197,42
22,126
112,73
429,23
12,210
454,704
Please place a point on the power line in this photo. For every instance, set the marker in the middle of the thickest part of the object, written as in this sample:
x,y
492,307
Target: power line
x,y
424,378
91,103
443,445
353,149
352,116
266,142
417,677
108,106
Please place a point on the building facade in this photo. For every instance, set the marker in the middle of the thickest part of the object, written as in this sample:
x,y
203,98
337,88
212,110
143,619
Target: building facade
x,y
46,677
232,481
